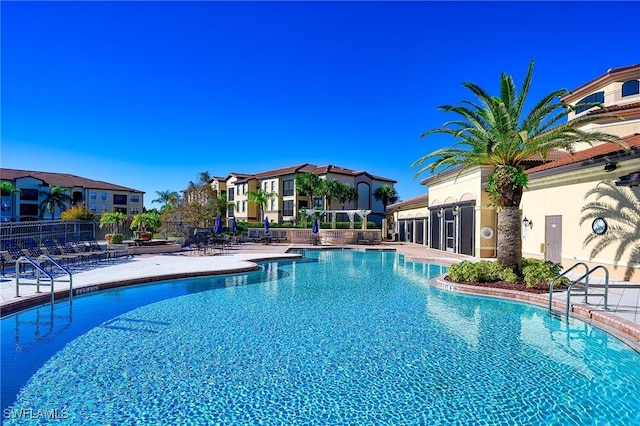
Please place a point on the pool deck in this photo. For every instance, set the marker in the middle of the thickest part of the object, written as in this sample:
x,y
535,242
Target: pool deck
x,y
621,318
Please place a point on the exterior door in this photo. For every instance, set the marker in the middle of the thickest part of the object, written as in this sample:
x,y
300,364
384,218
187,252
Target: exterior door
x,y
553,239
450,235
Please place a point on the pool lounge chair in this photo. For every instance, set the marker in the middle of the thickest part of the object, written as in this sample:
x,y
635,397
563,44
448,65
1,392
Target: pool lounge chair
x,y
13,253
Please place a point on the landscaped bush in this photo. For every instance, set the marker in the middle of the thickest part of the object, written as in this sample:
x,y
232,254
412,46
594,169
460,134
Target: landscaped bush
x,y
483,271
537,272
77,212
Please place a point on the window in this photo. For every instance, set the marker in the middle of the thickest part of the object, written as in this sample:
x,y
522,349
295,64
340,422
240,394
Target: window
x,y
631,87
28,210
104,196
273,204
244,206
317,202
237,190
120,209
244,188
135,199
273,186
287,208
120,199
29,194
93,195
597,97
238,205
265,186
287,187
230,194
135,210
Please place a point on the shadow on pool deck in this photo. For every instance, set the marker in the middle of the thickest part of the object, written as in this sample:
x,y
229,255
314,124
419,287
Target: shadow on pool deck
x,y
623,314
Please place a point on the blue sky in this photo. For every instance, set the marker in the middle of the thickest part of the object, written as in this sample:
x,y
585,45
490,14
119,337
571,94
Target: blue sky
x,y
149,94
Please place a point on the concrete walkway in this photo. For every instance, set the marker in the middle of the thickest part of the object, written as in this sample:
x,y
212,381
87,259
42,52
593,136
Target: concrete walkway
x,y
623,313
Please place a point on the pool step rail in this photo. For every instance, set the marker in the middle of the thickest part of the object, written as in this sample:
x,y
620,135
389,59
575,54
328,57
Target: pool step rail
x,y
42,274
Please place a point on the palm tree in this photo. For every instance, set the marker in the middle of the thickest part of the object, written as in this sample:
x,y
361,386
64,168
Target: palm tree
x,y
346,193
328,188
620,208
261,199
387,194
308,183
57,196
7,188
494,132
220,204
168,199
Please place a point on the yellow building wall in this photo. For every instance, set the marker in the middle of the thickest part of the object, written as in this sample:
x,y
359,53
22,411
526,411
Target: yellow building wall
x,y
566,196
469,186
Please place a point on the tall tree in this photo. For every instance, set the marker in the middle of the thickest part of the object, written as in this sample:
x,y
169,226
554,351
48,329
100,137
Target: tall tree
x,y
260,198
169,199
308,183
329,189
387,194
57,196
494,132
346,193
7,188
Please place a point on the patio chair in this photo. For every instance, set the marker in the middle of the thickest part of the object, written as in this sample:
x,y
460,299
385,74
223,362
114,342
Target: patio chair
x,y
13,253
54,251
98,250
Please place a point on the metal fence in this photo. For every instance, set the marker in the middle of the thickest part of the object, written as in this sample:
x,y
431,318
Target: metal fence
x,y
68,229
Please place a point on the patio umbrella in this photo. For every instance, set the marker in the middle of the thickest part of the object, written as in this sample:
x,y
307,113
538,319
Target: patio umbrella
x,y
218,229
233,225
315,227
266,225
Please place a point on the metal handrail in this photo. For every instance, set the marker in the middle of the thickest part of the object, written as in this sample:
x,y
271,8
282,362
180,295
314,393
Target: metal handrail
x,y
39,269
586,291
66,271
586,268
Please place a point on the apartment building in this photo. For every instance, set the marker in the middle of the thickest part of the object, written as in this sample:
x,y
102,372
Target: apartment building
x,y
285,201
32,186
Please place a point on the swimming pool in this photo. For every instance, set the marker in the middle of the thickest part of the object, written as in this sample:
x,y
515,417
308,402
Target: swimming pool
x,y
347,338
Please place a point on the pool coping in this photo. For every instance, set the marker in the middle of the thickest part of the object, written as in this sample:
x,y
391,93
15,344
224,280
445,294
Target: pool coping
x,y
35,300
624,330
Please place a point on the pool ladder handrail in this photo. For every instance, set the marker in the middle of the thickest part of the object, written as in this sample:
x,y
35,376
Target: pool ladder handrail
x,y
586,268
40,270
586,288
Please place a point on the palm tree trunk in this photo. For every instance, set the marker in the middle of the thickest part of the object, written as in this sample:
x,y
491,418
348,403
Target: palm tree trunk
x,y
509,238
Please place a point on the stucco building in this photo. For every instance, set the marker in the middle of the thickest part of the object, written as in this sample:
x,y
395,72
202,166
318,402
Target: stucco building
x,y
556,205
32,186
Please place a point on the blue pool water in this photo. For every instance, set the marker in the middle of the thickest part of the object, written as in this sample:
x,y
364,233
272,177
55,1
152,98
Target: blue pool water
x,y
349,338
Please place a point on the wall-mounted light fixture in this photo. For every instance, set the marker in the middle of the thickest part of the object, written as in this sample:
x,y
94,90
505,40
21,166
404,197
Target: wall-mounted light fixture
x,y
455,211
526,223
439,213
609,167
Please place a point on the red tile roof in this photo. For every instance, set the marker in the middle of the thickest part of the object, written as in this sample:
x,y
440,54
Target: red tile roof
x,y
633,142
63,179
420,199
614,108
609,72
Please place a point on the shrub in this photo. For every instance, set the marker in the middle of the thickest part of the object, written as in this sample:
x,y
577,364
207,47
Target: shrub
x,y
482,271
539,272
78,212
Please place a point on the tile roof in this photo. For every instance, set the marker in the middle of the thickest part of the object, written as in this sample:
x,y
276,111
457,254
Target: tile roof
x,y
609,72
614,108
306,167
63,179
601,150
420,199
